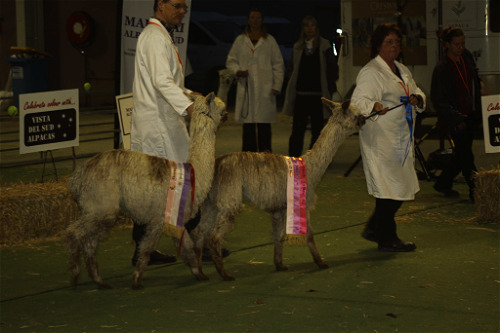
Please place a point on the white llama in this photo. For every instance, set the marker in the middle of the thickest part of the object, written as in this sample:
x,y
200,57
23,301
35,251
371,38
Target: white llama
x,y
136,184
261,178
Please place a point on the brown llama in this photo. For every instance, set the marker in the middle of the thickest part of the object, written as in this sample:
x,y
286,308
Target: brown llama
x,y
135,184
261,178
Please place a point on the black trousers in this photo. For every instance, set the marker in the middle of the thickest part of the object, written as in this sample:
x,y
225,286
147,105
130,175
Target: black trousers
x,y
382,220
257,137
307,109
462,160
140,229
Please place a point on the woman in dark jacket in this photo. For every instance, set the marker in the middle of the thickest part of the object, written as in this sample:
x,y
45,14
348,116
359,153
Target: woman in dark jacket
x,y
456,96
314,73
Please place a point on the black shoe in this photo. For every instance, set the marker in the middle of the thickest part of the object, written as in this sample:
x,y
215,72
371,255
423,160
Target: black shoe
x,y
397,246
471,196
206,256
448,193
369,235
156,258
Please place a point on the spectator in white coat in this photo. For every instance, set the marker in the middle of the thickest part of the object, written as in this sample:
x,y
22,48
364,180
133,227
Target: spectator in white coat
x,y
386,140
256,59
160,105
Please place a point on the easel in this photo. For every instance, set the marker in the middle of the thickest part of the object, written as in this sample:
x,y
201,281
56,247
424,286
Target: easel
x,y
45,154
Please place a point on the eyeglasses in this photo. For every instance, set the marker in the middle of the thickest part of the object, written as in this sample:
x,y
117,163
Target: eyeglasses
x,y
391,42
178,6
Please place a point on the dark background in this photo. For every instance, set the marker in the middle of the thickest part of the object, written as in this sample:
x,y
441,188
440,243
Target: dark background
x,y
70,67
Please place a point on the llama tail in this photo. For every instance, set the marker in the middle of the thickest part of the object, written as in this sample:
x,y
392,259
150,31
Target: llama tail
x,y
75,182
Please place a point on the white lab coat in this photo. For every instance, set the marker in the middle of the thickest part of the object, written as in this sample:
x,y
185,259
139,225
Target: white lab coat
x,y
158,125
383,139
255,102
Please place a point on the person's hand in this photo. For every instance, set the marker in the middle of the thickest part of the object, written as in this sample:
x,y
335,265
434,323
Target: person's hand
x,y
190,109
242,73
379,108
275,92
416,100
195,93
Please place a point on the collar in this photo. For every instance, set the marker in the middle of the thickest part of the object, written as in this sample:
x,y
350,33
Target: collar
x,y
170,30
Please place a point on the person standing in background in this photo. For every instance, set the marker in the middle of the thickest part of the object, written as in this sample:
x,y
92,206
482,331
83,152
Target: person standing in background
x,y
456,96
256,59
386,140
314,73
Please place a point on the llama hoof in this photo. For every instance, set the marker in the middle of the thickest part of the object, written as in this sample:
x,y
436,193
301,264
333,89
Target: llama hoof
x,y
104,286
228,278
281,268
322,265
137,286
202,277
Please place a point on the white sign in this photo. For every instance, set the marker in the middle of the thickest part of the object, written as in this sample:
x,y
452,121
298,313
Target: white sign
x,y
125,106
491,123
136,14
48,120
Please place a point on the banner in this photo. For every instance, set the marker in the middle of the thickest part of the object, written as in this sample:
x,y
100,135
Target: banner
x,y
491,123
368,14
135,16
48,120
125,106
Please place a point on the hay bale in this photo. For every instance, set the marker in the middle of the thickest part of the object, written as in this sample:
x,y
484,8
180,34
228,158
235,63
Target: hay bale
x,y
35,210
487,195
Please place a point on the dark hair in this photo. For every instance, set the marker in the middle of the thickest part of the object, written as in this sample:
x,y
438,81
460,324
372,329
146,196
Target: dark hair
x,y
155,6
447,34
378,36
264,28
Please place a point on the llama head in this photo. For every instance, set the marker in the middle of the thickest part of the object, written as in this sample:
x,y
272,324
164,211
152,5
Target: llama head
x,y
345,114
226,77
208,108
226,80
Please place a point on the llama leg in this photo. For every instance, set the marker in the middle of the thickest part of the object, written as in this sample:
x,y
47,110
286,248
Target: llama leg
x,y
74,251
278,221
192,253
146,247
215,244
312,247
92,231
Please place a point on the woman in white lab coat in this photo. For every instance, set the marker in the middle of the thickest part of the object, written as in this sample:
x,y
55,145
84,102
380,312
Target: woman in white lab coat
x,y
256,59
386,140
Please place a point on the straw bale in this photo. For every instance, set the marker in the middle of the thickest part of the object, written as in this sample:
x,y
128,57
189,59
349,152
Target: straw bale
x,y
487,195
35,210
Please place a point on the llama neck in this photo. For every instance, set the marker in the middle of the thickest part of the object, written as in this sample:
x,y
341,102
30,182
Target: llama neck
x,y
202,157
320,156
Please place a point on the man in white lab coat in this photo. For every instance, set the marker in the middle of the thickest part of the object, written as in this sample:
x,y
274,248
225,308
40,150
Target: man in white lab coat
x,y
158,125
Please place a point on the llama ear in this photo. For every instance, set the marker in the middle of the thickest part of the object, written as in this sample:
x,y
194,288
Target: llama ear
x,y
210,98
329,104
346,104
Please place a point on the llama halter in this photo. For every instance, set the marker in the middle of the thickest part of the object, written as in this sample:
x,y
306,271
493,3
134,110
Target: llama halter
x,y
296,193
181,180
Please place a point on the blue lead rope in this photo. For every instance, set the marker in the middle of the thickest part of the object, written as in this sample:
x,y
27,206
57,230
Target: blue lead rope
x,y
409,118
